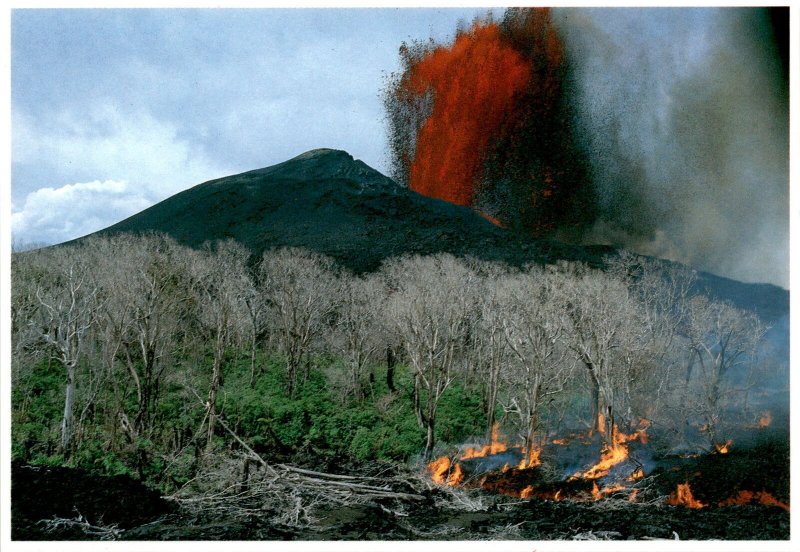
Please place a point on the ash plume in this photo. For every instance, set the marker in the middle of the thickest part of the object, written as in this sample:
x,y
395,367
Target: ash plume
x,y
663,131
684,117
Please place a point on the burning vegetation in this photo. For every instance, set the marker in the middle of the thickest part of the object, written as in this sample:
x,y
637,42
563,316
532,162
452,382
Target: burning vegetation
x,y
619,472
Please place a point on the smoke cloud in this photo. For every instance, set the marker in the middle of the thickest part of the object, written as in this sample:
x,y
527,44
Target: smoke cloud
x,y
684,118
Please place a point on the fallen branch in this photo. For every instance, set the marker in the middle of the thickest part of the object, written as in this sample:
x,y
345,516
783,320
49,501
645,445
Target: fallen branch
x,y
57,525
291,494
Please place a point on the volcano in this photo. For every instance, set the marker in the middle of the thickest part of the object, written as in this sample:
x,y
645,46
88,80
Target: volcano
x,y
326,201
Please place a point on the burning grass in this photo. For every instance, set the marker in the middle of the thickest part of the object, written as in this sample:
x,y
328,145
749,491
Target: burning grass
x,y
625,471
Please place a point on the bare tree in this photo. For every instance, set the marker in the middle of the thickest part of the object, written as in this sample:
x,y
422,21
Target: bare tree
x,y
540,366
67,305
661,291
724,342
430,306
606,335
148,289
355,334
220,275
489,348
299,288
255,303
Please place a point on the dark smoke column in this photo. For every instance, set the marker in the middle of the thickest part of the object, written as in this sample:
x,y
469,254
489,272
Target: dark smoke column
x,y
485,122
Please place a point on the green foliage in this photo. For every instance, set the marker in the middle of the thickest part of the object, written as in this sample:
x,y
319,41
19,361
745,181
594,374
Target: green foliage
x,y
47,460
318,421
459,415
94,456
37,407
379,427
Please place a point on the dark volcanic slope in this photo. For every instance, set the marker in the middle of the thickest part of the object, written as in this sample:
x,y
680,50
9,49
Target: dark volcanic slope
x,y
326,201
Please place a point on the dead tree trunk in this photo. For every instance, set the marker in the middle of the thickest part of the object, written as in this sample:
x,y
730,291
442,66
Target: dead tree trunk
x,y
68,422
390,364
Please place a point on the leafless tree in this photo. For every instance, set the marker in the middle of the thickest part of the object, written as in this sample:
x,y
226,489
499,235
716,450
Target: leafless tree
x,y
255,303
220,278
606,336
724,343
489,348
431,305
147,282
661,291
299,288
355,333
66,312
540,366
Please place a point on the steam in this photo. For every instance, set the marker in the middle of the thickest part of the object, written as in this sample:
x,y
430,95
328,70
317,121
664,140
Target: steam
x,y
683,115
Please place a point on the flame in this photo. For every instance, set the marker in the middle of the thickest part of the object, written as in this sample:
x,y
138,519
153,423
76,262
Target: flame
x,y
456,476
527,492
439,469
444,471
723,448
637,474
601,423
530,460
761,497
633,495
612,454
495,446
765,420
682,496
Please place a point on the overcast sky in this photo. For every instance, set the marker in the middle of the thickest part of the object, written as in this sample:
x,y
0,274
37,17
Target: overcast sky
x,y
114,110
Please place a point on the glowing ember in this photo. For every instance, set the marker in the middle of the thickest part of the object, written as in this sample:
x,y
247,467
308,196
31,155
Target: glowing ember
x,y
637,474
765,420
601,423
723,448
760,497
682,496
611,489
490,218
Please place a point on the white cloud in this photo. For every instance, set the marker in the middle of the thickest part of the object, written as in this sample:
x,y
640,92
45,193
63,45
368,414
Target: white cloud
x,y
122,162
53,215
111,144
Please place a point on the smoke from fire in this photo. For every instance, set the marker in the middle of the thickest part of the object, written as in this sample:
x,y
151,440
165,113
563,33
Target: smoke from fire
x,y
664,131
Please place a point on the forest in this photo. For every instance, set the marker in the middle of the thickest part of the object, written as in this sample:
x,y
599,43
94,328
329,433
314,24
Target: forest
x,y
211,375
